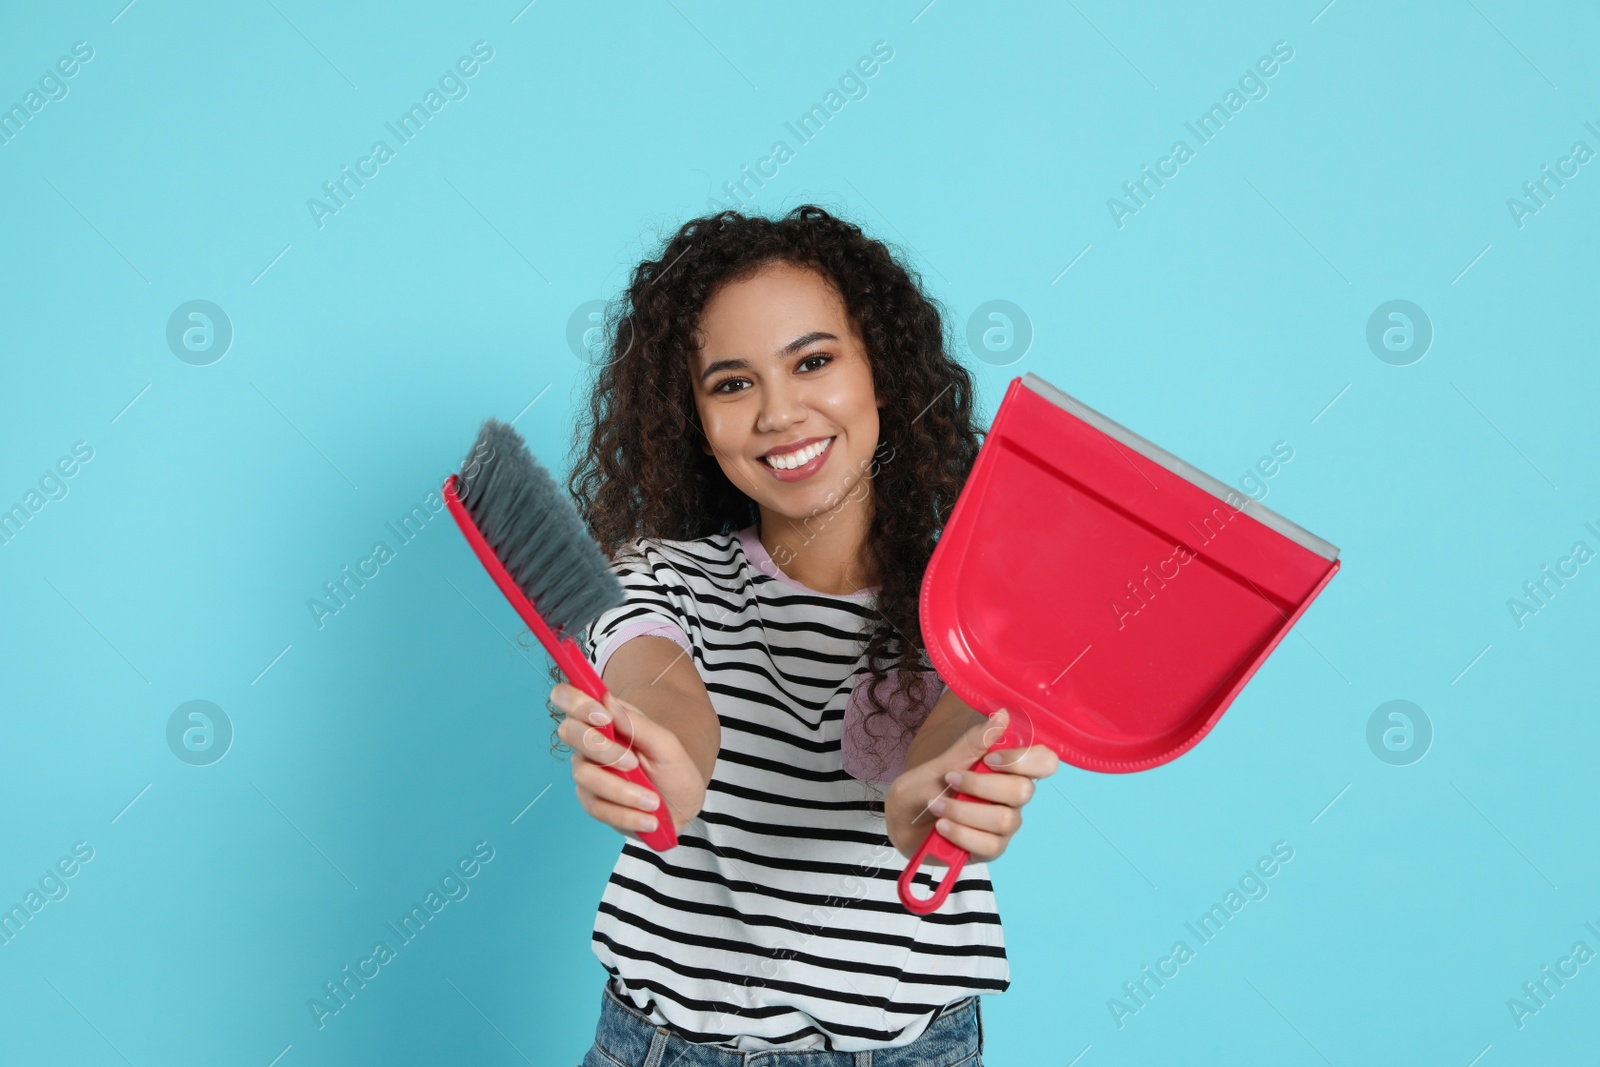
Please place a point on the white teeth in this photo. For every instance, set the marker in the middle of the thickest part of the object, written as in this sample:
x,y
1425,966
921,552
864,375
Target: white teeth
x,y
799,458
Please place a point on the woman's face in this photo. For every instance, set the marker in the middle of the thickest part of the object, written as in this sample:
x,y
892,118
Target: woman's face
x,y
781,364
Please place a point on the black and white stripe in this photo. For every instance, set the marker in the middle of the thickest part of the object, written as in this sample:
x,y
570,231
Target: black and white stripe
x,y
776,924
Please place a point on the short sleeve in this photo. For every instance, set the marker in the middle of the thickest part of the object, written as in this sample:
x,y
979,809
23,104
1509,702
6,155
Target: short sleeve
x,y
658,604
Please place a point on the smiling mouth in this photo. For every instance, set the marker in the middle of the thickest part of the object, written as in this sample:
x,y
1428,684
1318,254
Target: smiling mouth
x,y
799,457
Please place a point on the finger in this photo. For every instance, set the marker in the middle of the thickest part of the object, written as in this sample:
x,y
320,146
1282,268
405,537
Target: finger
x,y
1002,820
1013,790
578,705
616,816
592,744
980,845
1035,761
612,787
570,699
599,781
631,723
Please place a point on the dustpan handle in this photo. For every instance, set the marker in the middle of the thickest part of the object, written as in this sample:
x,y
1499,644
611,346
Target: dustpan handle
x,y
941,848
568,656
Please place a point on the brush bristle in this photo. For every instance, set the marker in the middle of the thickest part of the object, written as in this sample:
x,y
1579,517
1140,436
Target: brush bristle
x,y
535,531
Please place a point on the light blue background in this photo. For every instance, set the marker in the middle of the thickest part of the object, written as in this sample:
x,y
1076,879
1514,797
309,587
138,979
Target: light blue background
x,y
1227,315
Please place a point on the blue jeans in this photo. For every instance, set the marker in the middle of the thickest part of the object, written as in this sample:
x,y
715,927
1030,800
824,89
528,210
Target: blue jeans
x,y
624,1038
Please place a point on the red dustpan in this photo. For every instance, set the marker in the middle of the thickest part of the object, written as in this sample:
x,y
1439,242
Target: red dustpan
x,y
1112,597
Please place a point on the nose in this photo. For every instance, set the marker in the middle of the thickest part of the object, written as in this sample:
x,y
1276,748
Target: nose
x,y
781,406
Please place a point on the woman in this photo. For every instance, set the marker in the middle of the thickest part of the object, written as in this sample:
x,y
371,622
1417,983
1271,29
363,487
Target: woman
x,y
769,454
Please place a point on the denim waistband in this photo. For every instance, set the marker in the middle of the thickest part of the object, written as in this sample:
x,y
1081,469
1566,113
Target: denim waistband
x,y
953,1039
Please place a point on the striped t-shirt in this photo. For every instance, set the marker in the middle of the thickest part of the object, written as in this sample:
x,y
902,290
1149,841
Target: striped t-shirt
x,y
776,922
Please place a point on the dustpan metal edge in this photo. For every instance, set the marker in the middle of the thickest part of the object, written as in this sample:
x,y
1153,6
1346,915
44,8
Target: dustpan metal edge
x,y
1156,454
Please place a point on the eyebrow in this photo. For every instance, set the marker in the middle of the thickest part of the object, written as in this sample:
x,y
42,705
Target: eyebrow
x,y
789,349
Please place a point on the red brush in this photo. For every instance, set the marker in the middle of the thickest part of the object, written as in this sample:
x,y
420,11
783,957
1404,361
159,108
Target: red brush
x,y
533,544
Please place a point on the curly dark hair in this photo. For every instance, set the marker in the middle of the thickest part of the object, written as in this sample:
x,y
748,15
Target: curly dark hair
x,y
640,471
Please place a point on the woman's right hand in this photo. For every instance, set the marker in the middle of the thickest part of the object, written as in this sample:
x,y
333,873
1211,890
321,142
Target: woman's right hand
x,y
606,795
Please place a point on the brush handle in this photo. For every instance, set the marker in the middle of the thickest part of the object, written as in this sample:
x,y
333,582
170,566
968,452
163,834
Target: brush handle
x,y
573,663
941,848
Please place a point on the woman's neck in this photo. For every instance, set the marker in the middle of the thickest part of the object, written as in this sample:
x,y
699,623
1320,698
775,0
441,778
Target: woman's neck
x,y
826,551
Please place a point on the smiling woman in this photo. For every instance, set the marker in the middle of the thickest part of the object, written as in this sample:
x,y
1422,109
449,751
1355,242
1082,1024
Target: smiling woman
x,y
654,452
795,422
772,567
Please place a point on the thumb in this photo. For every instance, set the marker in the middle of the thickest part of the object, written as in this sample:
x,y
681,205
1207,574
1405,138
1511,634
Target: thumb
x,y
978,739
634,728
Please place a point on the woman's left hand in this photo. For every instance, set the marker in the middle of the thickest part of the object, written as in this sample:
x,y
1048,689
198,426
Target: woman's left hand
x,y
922,796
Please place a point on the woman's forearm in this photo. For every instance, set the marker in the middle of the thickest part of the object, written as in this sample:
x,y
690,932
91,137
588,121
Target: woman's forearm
x,y
660,679
694,725
946,722
906,815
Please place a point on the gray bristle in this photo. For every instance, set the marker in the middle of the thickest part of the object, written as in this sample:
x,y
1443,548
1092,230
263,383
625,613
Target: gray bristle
x,y
535,531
